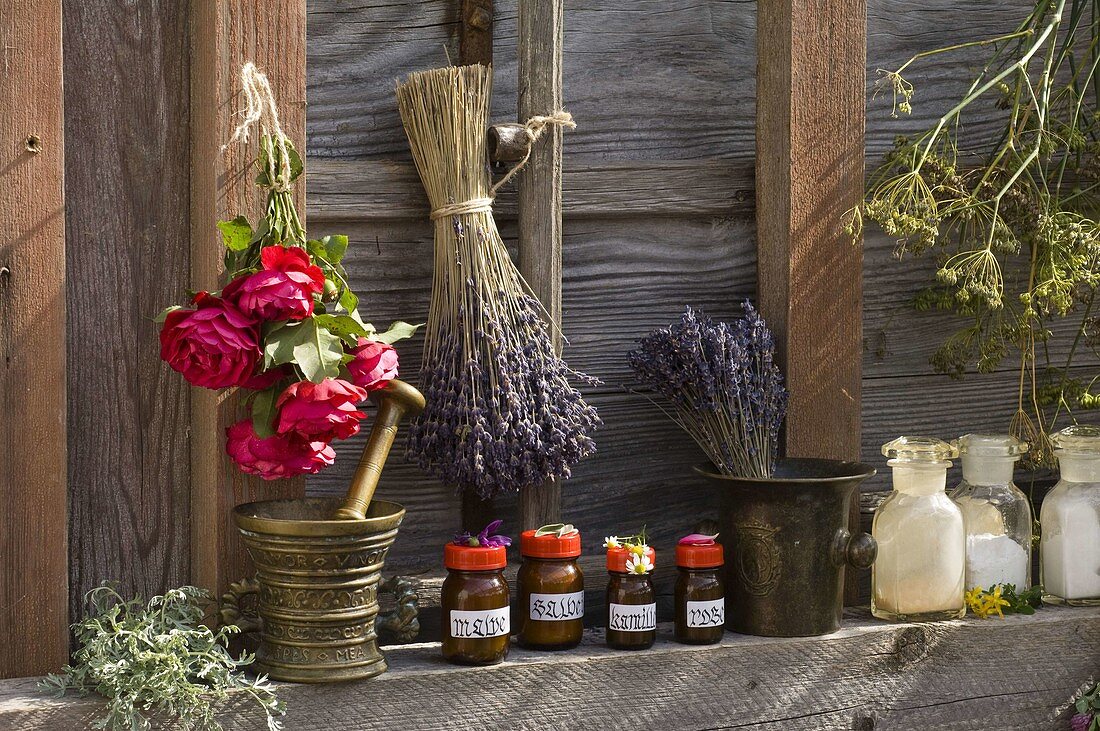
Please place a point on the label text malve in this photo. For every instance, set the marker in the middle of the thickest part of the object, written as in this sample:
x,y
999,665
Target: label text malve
x,y
479,624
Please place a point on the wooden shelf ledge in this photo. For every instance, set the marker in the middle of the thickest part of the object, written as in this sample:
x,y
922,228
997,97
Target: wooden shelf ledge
x,y
1015,673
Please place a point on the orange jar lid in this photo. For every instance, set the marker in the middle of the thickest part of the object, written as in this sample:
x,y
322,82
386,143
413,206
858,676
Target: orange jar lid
x,y
470,558
707,556
617,558
550,546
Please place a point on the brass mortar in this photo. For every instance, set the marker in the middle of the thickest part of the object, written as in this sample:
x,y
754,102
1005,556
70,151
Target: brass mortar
x,y
319,569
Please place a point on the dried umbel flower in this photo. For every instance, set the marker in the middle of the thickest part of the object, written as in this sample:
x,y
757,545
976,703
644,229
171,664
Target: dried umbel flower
x,y
1008,214
723,385
502,413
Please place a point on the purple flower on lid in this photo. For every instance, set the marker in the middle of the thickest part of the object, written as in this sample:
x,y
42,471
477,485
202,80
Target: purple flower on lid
x,y
485,539
1080,721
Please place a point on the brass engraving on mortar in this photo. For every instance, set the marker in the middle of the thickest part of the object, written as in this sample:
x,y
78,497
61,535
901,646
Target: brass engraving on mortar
x,y
322,599
757,557
294,560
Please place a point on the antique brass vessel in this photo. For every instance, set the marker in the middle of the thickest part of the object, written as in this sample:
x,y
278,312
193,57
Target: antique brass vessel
x,y
319,569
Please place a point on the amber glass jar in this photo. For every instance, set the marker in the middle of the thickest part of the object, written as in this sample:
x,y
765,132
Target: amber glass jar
x,y
631,604
551,591
700,594
475,598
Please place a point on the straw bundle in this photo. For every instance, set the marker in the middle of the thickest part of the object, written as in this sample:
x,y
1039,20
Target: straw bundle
x,y
501,413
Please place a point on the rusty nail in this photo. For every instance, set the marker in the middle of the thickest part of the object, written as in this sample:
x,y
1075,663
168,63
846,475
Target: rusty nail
x,y
481,19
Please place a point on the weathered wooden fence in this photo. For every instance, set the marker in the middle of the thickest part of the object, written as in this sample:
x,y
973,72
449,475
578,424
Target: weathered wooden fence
x,y
662,189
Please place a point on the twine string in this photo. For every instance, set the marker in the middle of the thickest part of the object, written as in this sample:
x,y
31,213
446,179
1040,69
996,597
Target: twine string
x,y
533,129
260,109
477,205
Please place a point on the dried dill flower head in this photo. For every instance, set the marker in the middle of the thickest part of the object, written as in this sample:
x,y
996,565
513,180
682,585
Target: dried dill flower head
x,y
156,658
722,384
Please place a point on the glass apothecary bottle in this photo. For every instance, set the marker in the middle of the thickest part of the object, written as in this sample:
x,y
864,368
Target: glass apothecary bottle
x,y
996,513
551,591
921,562
631,601
700,594
1069,549
474,603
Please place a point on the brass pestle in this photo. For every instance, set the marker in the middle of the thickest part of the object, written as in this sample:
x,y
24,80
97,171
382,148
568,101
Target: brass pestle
x,y
395,400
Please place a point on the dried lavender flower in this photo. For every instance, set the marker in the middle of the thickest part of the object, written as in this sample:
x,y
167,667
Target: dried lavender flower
x,y
722,384
501,412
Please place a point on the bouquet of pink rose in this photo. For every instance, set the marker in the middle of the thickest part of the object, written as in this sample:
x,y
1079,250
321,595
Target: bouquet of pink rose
x,y
286,327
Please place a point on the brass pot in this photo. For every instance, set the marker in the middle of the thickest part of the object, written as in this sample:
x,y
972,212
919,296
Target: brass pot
x,y
787,545
317,580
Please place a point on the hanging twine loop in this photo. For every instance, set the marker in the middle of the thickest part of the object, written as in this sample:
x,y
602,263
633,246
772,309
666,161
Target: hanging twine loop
x,y
533,129
260,109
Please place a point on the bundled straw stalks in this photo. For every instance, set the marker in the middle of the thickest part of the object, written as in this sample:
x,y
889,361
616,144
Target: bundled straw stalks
x,y
501,414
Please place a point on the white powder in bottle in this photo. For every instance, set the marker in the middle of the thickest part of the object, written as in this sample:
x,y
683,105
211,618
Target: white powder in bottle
x,y
1070,546
995,559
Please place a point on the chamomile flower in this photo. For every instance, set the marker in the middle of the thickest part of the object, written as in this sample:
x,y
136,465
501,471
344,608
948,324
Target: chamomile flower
x,y
638,549
639,565
612,542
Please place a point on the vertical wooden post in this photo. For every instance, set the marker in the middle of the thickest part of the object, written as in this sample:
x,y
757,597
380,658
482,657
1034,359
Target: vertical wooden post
x,y
810,91
476,46
541,37
34,583
127,169
224,35
475,39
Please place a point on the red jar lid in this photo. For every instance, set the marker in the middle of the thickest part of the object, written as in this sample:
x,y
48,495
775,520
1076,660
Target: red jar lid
x,y
470,558
549,546
699,557
617,558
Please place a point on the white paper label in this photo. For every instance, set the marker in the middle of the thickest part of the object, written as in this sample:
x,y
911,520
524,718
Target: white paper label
x,y
481,623
557,607
706,614
632,617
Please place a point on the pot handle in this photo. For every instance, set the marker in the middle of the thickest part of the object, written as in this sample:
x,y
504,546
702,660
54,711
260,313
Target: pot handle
x,y
858,551
233,609
403,623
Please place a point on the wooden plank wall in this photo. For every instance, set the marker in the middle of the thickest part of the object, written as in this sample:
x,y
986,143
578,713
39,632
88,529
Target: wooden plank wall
x,y
126,177
33,533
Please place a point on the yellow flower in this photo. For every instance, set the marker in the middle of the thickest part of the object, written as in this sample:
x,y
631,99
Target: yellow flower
x,y
985,604
638,549
993,602
974,602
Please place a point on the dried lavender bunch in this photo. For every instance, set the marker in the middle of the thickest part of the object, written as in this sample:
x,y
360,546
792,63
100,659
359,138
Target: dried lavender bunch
x,y
723,385
501,412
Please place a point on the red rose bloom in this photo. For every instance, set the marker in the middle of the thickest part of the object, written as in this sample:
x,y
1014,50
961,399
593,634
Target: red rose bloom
x,y
213,345
266,379
282,290
375,363
320,411
278,456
